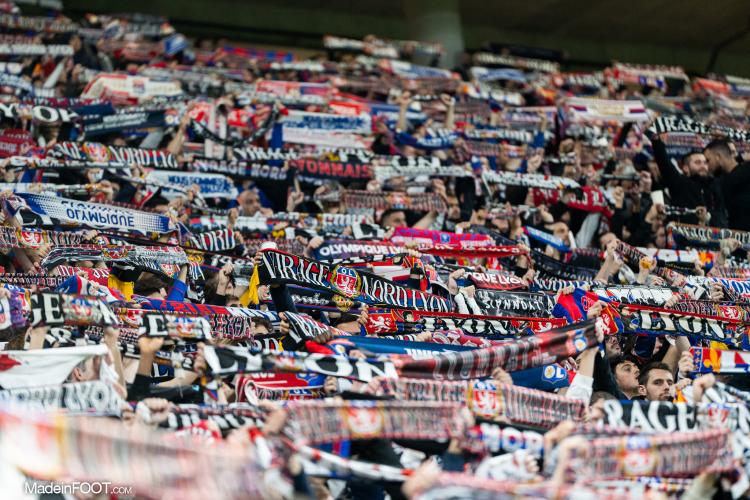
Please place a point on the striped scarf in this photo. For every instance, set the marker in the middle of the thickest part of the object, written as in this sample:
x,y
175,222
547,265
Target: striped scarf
x,y
315,422
379,200
487,399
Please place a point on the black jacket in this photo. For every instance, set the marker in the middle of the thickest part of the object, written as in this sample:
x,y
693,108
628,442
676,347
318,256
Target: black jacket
x,y
690,191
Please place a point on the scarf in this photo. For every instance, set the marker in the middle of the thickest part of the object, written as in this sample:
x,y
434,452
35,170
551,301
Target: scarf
x,y
324,169
546,238
529,180
496,281
541,349
487,399
315,422
226,417
350,283
382,200
720,361
695,234
663,417
211,185
411,172
29,280
164,260
280,386
54,309
124,119
44,115
154,462
11,237
501,438
660,322
729,311
635,294
499,303
84,398
344,249
257,154
686,124
318,222
664,455
220,240
551,267
428,237
327,122
582,109
227,361
96,152
21,369
587,199
255,171
633,257
53,210
525,63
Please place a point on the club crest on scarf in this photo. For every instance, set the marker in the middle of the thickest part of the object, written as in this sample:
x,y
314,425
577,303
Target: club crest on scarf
x,y
638,458
346,281
115,253
30,239
484,400
363,422
96,152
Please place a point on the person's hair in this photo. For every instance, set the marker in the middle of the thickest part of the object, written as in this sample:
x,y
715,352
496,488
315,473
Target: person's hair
x,y
720,146
150,283
643,376
263,322
388,212
621,358
598,395
686,158
210,286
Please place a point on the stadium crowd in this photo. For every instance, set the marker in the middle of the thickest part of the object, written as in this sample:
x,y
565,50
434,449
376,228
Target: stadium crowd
x,y
229,272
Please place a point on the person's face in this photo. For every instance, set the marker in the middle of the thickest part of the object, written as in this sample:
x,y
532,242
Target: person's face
x,y
90,370
626,376
713,160
596,411
569,172
658,386
612,346
454,209
661,237
605,239
395,219
250,202
561,231
697,165
259,329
